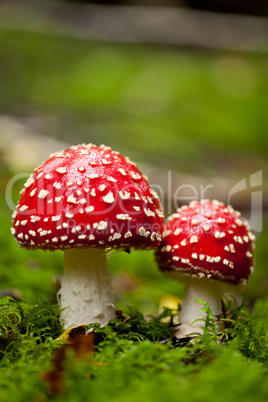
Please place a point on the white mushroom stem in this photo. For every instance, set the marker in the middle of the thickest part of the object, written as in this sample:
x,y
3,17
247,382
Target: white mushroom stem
x,y
211,291
86,293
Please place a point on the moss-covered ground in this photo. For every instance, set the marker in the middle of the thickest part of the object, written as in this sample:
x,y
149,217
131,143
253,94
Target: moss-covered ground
x,y
189,111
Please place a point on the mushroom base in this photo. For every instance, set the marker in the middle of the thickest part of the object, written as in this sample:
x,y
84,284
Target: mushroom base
x,y
210,291
86,293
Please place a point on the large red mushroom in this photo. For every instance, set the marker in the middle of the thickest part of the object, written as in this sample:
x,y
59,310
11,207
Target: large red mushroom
x,y
207,246
86,200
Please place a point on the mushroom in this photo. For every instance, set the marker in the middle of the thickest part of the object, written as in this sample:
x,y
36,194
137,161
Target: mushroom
x,y
84,201
208,247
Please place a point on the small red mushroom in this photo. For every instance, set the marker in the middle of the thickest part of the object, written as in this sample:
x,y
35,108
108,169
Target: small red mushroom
x,y
83,201
206,245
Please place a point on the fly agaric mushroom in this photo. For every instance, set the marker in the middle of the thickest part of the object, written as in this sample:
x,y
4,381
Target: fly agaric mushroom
x,y
205,245
83,201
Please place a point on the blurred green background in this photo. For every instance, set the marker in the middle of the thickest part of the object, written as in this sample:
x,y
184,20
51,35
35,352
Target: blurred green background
x,y
188,116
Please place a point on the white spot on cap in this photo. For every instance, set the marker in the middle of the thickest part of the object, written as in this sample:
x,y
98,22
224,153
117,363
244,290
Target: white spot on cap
x,y
15,213
206,228
112,179
20,236
68,215
193,239
23,223
102,187
177,232
249,254
89,209
29,182
83,152
142,231
91,237
194,256
128,234
123,216
149,212
221,220
136,208
166,233
43,233
65,225
219,235
239,222
13,231
194,222
109,198
83,201
56,218
153,235
82,237
122,171
232,249
58,199
240,240
183,242
116,236
61,170
92,176
23,208
202,257
32,193
48,176
72,199
137,197
39,175
93,192
158,236
175,258
135,176
82,169
226,248
32,232
251,236
225,261
57,185
124,195
102,225
63,238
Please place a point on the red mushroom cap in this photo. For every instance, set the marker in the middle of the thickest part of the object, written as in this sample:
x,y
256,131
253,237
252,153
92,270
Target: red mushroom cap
x,y
88,196
208,239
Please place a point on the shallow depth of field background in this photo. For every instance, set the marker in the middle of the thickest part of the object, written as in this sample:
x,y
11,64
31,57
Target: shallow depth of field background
x,y
193,118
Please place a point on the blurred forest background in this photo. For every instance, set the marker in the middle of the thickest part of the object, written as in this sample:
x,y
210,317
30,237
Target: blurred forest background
x,y
181,91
